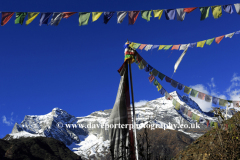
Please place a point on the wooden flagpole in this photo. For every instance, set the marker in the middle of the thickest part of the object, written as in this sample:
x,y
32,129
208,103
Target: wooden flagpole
x,y
134,116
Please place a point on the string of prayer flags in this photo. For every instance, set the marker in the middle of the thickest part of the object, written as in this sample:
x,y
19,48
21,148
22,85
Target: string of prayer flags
x,y
44,18
132,17
120,16
107,16
216,11
189,10
31,17
228,8
237,7
6,16
218,39
201,43
146,15
68,14
56,18
204,12
170,14
158,13
180,14
20,17
209,41
96,15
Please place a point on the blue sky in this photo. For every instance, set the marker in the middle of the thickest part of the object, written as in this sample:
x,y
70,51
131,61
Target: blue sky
x,y
75,67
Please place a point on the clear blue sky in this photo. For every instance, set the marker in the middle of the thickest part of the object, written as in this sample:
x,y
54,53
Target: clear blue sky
x,y
75,68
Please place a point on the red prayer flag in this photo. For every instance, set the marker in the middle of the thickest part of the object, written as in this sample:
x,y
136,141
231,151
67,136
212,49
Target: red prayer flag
x,y
207,122
218,39
68,14
6,16
142,46
188,10
132,16
151,78
175,47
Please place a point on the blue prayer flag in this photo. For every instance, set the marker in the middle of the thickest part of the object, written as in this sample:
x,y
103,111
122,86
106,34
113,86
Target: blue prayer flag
x,y
107,16
192,44
44,18
162,91
170,14
180,86
228,8
215,100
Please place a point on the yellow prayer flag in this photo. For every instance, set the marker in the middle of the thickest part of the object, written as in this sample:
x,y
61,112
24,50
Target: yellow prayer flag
x,y
132,44
159,87
161,47
201,43
31,17
216,11
157,13
96,15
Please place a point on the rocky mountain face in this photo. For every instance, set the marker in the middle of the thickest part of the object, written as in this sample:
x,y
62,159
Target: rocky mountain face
x,y
92,142
37,148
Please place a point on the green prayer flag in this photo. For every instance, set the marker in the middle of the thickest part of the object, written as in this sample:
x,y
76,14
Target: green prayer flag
x,y
223,102
161,76
167,47
177,107
136,45
20,17
209,41
193,116
194,93
204,12
141,65
187,89
174,102
146,15
83,18
154,72
155,83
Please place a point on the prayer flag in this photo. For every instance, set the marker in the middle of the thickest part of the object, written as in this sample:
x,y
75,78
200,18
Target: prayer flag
x,y
238,32
204,12
68,14
193,116
168,79
154,72
141,65
146,15
194,93
20,17
6,16
187,90
223,102
180,14
215,124
107,16
216,11
180,86
157,13
167,95
175,47
142,46
162,91
201,95
84,18
131,45
154,46
161,76
136,45
31,17
228,8
179,60
182,108
235,103
170,14
56,18
44,18
207,122
132,17
120,16
237,7
188,10
186,111
201,43
215,100
151,78
148,68
159,86
96,15
183,46
148,47
189,113
161,47
197,118
192,44
218,39
174,83
144,63
155,83
230,35
177,107
167,47
174,102
138,58
209,41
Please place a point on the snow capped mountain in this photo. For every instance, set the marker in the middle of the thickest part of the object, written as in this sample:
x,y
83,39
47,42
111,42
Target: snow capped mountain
x,y
93,143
